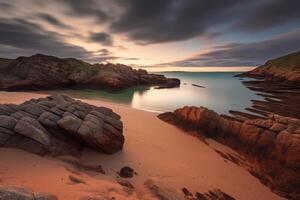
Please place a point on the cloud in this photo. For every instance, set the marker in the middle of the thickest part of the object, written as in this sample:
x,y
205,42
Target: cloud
x,y
4,6
169,20
87,8
130,59
269,14
104,51
146,22
24,38
52,20
246,54
102,38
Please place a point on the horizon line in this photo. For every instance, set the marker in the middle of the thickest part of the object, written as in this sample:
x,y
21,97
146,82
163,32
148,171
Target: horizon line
x,y
197,69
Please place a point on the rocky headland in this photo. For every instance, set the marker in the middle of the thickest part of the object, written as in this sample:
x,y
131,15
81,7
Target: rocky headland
x,y
48,72
285,69
278,80
268,135
58,125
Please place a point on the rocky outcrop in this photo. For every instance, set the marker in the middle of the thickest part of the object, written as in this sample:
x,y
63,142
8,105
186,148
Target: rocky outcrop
x,y
278,82
59,125
271,144
48,72
17,193
285,68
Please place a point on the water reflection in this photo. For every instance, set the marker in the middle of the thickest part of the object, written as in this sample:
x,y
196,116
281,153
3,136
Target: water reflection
x,y
168,99
222,92
123,96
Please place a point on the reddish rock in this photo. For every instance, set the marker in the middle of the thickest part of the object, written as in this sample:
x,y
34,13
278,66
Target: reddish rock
x,y
49,72
272,144
285,68
277,127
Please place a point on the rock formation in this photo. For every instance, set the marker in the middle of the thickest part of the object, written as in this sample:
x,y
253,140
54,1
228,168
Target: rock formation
x,y
285,68
59,125
48,72
271,144
278,82
271,139
16,193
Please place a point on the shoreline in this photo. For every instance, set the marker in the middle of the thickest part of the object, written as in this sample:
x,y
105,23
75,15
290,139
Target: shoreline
x,y
98,99
155,149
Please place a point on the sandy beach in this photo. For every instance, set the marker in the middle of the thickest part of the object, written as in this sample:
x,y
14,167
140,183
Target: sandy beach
x,y
154,149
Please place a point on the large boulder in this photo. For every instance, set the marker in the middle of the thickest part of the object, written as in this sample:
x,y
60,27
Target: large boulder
x,y
58,125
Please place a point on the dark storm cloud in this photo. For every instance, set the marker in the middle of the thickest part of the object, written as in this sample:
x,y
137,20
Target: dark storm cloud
x,y
87,8
269,14
160,21
174,20
27,38
102,38
4,6
246,54
150,22
169,20
52,20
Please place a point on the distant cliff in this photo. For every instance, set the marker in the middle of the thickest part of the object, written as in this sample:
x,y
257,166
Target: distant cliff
x,y
49,72
285,68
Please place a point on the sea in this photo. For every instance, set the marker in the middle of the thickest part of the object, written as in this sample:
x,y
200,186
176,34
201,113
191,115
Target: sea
x,y
220,91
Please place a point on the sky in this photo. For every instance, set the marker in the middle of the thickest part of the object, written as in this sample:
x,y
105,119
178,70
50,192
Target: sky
x,y
162,34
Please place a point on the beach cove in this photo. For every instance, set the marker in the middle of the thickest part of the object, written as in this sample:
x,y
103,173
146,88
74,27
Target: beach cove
x,y
156,150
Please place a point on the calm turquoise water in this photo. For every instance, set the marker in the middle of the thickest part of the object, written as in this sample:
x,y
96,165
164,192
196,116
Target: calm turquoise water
x,y
222,92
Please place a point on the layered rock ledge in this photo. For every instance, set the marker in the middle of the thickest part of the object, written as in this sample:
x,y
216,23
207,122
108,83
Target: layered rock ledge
x,y
58,125
278,82
271,144
49,72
